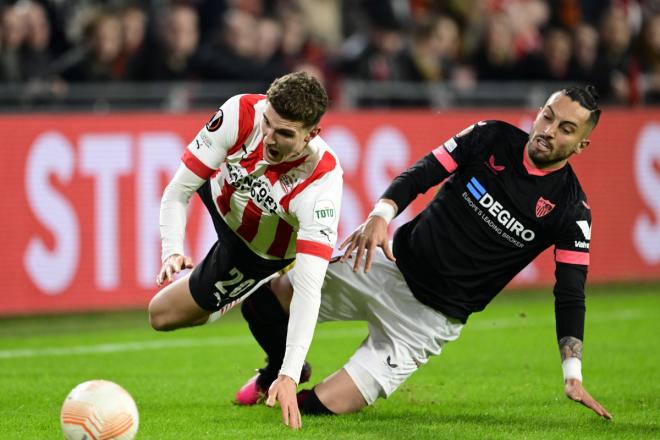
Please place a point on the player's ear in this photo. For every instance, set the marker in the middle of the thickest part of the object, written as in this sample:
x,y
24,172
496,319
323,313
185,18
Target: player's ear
x,y
582,145
312,134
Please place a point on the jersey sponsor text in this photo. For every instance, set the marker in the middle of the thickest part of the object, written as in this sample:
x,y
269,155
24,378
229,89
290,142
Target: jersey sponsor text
x,y
496,209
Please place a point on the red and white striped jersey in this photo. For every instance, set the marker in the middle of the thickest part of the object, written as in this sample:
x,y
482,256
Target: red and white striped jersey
x,y
277,210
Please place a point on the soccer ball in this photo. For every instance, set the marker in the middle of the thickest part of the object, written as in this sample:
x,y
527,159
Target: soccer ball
x,y
98,409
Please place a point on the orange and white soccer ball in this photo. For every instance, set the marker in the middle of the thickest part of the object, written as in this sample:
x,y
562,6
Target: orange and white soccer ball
x,y
99,410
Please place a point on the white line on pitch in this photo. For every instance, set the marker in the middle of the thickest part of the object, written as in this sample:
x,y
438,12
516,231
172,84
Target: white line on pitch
x,y
155,345
623,315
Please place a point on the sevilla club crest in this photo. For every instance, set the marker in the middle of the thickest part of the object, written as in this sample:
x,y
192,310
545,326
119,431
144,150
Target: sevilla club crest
x,y
543,207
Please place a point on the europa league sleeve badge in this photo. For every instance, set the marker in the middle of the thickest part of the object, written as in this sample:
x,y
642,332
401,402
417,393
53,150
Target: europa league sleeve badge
x,y
215,122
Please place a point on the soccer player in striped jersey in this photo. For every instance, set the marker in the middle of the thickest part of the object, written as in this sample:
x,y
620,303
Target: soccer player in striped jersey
x,y
507,196
273,189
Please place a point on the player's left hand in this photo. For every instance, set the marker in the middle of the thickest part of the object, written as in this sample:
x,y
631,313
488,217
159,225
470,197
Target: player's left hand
x,y
575,391
283,390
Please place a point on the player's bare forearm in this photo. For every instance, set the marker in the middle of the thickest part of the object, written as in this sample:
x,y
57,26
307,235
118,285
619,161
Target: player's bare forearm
x,y
570,346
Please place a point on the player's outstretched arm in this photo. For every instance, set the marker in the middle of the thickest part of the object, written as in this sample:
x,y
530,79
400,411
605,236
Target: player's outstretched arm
x,y
173,264
571,355
283,390
371,234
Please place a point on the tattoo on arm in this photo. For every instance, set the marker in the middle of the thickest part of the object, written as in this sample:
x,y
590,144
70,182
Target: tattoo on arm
x,y
570,346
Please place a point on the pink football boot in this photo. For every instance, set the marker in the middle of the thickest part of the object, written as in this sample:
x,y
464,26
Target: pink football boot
x,y
251,393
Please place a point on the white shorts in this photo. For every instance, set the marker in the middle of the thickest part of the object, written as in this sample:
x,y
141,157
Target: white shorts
x,y
403,332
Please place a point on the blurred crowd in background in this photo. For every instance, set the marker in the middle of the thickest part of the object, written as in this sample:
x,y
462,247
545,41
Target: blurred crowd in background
x,y
613,44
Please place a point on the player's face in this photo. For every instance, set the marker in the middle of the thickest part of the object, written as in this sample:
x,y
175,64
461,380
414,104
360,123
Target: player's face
x,y
284,140
559,131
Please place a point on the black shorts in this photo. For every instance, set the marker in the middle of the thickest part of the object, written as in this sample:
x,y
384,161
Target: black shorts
x,y
230,271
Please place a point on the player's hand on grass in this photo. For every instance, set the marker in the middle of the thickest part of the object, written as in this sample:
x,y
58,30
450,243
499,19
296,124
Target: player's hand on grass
x,y
283,390
173,264
365,238
575,391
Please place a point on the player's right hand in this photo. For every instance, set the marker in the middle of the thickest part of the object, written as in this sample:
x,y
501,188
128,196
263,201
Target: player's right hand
x,y
283,390
366,238
173,264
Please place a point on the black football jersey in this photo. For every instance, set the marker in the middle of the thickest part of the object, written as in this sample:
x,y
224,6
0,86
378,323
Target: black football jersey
x,y
493,214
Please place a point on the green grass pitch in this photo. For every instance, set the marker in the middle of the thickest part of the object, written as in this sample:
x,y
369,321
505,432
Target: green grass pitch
x,y
500,380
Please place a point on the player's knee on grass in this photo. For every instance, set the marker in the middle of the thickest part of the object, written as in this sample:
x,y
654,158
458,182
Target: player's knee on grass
x,y
309,403
339,393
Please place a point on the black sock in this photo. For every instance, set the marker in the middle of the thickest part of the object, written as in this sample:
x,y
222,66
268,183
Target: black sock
x,y
268,323
309,403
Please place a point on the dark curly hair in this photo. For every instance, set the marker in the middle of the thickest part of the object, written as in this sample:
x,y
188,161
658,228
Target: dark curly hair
x,y
298,96
587,97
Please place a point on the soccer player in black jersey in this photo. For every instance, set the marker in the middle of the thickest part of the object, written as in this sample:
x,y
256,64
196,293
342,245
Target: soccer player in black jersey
x,y
507,196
